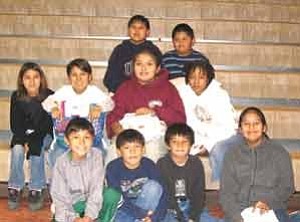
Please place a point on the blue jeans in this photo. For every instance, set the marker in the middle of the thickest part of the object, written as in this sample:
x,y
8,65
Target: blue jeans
x,y
147,200
282,215
217,154
37,168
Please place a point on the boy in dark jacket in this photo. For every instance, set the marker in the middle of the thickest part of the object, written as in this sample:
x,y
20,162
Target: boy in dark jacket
x,y
119,65
183,176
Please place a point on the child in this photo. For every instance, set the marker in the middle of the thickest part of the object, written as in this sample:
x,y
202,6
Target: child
x,y
31,127
78,176
257,172
183,175
183,40
209,112
77,99
148,92
119,65
138,179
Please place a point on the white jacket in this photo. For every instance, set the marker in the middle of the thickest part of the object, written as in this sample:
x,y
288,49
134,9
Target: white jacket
x,y
211,114
78,104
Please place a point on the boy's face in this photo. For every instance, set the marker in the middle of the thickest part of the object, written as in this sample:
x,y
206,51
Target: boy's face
x,y
145,68
79,79
80,143
132,153
198,81
138,32
179,146
183,43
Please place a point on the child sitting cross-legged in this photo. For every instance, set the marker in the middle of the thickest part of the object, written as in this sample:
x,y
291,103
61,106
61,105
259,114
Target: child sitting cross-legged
x,y
78,176
138,179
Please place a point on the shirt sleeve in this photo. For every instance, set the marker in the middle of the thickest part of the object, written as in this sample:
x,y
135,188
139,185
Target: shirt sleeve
x,y
230,189
94,201
60,195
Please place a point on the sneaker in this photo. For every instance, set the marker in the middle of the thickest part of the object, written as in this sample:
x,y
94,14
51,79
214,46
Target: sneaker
x,y
14,197
35,199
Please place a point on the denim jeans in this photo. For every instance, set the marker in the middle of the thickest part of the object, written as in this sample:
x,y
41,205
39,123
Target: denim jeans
x,y
217,154
37,168
147,200
282,215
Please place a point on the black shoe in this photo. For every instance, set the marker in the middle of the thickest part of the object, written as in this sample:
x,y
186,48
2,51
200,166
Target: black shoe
x,y
14,197
35,199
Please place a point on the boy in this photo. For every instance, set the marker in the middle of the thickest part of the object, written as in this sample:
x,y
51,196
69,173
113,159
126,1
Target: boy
x,y
119,65
138,179
79,98
183,175
78,175
174,61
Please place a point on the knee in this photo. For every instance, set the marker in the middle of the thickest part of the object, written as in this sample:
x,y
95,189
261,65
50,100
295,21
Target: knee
x,y
18,152
153,188
111,195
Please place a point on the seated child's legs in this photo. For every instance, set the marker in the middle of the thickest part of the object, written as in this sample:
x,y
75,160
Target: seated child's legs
x,y
37,172
16,175
282,215
148,200
217,154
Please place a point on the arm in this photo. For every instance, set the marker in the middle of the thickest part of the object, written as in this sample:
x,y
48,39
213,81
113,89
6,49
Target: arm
x,y
94,201
173,110
114,73
17,120
230,189
117,113
198,188
61,197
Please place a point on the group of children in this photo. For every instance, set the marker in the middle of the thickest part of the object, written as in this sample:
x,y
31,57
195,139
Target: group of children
x,y
161,108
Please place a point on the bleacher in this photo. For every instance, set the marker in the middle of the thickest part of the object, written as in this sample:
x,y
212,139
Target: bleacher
x,y
254,46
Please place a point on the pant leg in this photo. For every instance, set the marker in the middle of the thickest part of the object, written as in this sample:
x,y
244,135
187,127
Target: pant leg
x,y
217,154
111,199
37,171
16,176
54,153
170,217
282,215
147,200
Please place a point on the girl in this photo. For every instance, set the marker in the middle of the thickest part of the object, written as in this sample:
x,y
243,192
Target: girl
x,y
149,94
209,112
31,127
257,172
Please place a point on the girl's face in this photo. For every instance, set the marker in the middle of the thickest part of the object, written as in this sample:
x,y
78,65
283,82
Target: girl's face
x,y
145,68
79,79
252,129
198,81
32,81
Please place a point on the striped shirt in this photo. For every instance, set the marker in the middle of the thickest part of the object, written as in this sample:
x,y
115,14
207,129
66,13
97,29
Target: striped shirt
x,y
175,63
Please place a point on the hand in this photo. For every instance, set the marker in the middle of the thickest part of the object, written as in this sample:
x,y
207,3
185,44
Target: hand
x,y
78,219
95,112
263,207
26,148
56,113
144,111
87,219
202,151
148,217
216,211
116,128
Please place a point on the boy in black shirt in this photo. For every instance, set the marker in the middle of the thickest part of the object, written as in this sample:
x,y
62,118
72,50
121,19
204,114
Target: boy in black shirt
x,y
183,175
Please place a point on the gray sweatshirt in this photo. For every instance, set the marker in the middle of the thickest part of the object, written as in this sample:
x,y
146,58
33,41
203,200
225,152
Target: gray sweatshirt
x,y
74,181
251,175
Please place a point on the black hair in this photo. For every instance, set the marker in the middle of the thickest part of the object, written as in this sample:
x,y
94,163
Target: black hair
x,y
183,27
21,91
203,65
78,124
181,129
82,64
139,18
258,112
129,136
149,52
